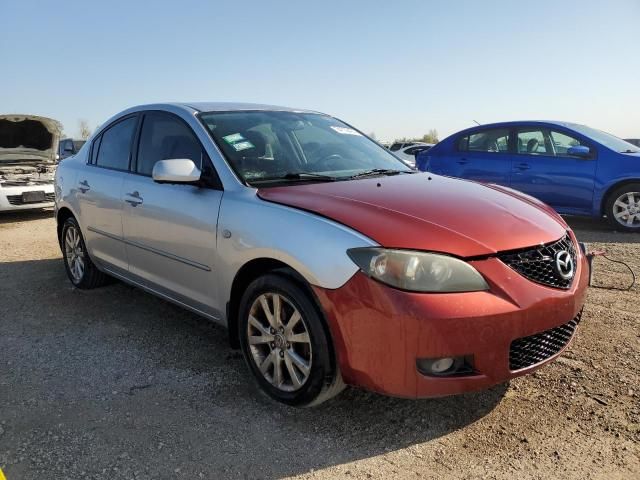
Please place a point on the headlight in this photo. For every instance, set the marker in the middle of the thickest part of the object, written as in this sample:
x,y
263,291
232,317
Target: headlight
x,y
418,271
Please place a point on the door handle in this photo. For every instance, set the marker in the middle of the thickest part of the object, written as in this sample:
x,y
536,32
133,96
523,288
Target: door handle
x,y
523,166
83,186
135,200
463,161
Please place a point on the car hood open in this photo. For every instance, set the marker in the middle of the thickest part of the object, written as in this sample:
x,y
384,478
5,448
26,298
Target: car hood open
x,y
28,139
428,212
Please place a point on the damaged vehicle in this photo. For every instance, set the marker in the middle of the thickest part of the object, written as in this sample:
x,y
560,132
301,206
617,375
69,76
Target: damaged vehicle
x,y
28,157
329,260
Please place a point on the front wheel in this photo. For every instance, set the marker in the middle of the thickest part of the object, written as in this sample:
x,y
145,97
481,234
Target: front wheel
x,y
285,344
623,208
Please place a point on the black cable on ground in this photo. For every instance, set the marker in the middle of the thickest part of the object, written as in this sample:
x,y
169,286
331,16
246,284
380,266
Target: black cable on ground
x,y
633,275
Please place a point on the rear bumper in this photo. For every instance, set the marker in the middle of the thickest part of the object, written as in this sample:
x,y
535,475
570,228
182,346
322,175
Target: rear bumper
x,y
380,332
11,197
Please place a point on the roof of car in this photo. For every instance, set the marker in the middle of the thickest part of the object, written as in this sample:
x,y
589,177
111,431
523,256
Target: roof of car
x,y
527,122
234,106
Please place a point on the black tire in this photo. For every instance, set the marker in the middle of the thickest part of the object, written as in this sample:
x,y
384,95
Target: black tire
x,y
324,380
610,208
91,277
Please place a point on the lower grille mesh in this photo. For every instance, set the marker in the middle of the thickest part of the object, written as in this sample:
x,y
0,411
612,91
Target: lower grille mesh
x,y
528,351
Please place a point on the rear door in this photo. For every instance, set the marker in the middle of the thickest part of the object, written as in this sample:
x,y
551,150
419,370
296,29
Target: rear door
x,y
170,229
541,167
482,155
100,193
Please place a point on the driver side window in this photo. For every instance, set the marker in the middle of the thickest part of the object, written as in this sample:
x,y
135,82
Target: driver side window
x,y
162,138
562,142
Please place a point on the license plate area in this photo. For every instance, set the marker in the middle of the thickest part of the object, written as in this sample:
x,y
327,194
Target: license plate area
x,y
33,197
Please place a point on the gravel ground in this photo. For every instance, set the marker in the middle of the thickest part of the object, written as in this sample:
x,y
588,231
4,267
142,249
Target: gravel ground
x,y
114,383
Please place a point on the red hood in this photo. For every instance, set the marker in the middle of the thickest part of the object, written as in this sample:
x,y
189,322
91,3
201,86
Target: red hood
x,y
427,212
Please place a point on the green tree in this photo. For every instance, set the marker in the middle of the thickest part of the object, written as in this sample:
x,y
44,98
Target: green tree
x,y
431,136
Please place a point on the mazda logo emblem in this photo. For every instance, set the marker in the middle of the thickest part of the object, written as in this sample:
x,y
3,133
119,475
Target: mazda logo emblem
x,y
564,265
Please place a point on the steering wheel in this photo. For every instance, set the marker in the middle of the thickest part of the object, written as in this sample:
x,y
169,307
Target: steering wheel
x,y
328,162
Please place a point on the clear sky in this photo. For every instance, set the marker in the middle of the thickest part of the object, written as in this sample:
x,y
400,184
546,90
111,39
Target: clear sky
x,y
396,68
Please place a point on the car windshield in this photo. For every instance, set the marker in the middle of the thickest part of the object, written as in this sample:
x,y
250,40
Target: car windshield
x,y
275,146
606,139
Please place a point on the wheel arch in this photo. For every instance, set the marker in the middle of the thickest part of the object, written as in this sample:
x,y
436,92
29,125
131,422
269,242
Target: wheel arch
x,y
612,188
256,268
61,216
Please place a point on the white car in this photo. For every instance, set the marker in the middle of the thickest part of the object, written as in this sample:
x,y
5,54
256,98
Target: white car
x,y
28,155
408,153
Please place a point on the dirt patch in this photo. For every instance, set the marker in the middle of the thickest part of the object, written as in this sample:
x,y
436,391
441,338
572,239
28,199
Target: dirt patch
x,y
115,383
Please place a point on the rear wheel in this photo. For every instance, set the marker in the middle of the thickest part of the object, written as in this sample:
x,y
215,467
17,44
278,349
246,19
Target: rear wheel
x,y
623,208
284,343
80,269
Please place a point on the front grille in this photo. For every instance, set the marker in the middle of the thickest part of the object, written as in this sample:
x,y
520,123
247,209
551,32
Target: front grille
x,y
528,351
17,199
538,264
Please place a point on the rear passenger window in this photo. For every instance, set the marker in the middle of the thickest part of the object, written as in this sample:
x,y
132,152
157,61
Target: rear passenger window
x,y
164,137
115,148
492,141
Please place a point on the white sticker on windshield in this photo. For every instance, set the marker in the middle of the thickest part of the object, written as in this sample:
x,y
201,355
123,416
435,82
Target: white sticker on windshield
x,y
346,131
242,146
231,139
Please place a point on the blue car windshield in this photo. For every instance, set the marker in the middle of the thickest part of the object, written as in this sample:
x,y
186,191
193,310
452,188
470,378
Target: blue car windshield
x,y
268,146
614,143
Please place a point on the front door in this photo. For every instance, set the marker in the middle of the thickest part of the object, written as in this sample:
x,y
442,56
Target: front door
x,y
170,229
542,168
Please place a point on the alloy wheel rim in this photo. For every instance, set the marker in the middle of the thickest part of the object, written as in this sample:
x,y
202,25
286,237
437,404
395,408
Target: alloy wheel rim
x,y
626,209
279,342
74,254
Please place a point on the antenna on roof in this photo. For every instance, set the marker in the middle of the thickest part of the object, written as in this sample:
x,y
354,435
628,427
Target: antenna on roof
x,y
477,122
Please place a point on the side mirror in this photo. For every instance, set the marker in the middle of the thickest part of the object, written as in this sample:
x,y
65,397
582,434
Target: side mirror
x,y
177,170
579,151
68,148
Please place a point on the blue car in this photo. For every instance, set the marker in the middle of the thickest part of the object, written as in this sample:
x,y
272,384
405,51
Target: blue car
x,y
576,169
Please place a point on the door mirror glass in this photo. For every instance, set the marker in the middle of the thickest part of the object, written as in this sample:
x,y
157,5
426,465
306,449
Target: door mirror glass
x,y
579,151
176,170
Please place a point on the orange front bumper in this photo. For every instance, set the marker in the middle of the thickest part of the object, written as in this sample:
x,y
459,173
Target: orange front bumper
x,y
379,332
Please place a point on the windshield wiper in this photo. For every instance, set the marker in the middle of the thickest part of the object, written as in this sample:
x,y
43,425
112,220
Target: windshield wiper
x,y
628,150
296,176
379,171
307,175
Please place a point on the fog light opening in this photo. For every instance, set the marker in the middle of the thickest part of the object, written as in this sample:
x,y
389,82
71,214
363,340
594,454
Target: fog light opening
x,y
441,365
445,366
